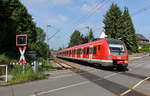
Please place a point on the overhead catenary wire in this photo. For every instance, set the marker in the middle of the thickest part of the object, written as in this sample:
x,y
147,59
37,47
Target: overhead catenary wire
x,y
141,10
92,11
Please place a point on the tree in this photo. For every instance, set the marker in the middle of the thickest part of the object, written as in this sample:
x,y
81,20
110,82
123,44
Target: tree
x,y
113,22
91,36
75,38
15,19
85,39
40,34
41,49
120,26
129,34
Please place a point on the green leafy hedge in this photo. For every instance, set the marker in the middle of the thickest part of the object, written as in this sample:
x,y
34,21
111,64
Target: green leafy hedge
x,y
3,59
145,48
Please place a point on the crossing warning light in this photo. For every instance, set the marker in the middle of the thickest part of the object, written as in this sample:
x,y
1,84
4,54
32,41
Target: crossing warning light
x,y
21,40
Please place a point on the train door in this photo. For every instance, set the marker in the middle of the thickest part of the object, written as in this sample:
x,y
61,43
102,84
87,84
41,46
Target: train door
x,y
95,51
75,52
81,53
84,52
90,53
99,50
78,52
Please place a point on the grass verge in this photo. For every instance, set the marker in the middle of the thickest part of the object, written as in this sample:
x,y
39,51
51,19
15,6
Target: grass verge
x,y
18,76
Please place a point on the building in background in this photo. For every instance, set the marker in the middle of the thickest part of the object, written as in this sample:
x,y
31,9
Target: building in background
x,y
142,40
103,35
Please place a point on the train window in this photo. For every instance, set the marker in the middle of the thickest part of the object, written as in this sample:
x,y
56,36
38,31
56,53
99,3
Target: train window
x,y
99,47
75,51
70,52
78,52
87,51
84,50
94,51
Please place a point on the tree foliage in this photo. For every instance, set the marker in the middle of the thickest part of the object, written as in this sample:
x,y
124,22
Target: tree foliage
x,y
15,19
40,34
113,22
75,39
119,25
91,36
41,49
128,32
85,38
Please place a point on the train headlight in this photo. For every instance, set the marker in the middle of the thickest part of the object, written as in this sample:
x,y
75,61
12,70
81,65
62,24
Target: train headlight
x,y
109,57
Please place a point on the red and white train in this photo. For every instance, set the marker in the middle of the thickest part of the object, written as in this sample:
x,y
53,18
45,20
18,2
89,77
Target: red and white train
x,y
106,52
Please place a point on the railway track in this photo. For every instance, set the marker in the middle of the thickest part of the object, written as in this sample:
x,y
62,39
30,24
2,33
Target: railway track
x,y
117,89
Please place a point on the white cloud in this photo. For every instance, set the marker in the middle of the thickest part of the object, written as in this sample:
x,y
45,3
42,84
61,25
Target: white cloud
x,y
63,18
86,8
53,21
92,6
83,26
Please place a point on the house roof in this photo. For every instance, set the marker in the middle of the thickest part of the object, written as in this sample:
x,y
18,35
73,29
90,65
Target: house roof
x,y
141,37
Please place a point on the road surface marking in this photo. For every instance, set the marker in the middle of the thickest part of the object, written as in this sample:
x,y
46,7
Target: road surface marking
x,y
57,89
73,85
134,86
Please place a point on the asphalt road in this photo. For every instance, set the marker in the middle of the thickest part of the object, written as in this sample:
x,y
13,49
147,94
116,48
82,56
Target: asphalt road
x,y
98,82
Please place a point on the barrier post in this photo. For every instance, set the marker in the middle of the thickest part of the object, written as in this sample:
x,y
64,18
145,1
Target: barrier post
x,y
6,73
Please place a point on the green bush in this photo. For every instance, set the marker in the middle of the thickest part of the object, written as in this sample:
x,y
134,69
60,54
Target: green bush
x,y
46,66
145,48
41,49
129,52
3,59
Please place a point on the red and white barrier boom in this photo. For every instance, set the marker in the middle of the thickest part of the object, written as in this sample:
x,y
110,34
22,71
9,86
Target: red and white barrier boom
x,y
21,42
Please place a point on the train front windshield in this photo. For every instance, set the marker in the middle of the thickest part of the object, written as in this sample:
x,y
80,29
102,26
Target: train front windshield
x,y
116,47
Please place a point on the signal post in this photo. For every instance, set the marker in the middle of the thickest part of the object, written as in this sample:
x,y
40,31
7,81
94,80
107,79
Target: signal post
x,y
21,43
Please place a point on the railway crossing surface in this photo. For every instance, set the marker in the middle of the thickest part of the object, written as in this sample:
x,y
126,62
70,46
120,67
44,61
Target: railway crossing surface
x,y
81,80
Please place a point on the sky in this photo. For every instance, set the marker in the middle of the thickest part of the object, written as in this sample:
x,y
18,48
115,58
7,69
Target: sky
x,y
64,16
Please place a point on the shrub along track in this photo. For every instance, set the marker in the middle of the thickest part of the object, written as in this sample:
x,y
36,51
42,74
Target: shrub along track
x,y
111,86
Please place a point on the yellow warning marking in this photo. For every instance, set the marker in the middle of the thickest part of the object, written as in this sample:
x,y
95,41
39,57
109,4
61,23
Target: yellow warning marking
x,y
134,86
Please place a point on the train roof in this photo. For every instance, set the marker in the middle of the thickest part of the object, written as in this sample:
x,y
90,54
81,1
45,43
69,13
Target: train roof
x,y
86,44
110,40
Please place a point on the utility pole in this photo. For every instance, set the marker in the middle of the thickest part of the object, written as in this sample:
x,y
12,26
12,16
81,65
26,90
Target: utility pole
x,y
47,41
